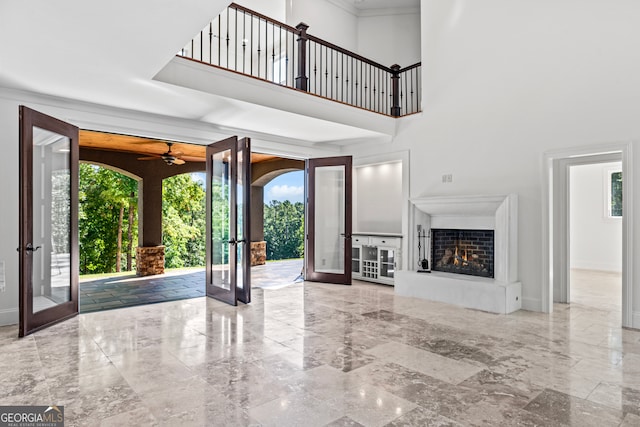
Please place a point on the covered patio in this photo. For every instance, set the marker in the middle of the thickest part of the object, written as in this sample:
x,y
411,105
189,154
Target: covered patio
x,y
131,290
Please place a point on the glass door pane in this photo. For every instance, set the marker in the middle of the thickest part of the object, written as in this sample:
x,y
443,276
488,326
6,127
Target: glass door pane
x,y
387,262
48,220
328,255
51,219
221,221
243,247
329,192
355,260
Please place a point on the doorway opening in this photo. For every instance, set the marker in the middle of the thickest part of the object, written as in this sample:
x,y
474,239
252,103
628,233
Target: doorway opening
x,y
595,225
122,243
174,218
277,221
556,245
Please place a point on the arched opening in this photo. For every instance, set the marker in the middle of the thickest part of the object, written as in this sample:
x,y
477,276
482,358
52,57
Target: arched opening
x,y
277,222
284,217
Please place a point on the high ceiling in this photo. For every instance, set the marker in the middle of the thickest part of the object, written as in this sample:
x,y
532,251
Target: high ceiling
x,y
107,54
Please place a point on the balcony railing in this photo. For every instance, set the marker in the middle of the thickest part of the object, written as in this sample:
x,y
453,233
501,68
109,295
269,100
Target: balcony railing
x,y
247,42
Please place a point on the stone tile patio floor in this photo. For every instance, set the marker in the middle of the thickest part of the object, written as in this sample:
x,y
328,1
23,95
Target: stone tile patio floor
x,y
128,291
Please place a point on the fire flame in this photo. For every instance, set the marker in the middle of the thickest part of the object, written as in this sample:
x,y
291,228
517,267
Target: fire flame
x,y
460,259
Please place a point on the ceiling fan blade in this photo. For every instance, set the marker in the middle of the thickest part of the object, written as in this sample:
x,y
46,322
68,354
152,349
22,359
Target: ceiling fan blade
x,y
179,162
150,158
192,159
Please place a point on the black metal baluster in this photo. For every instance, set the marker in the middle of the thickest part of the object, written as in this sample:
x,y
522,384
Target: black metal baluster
x,y
266,53
259,50
320,71
244,41
235,40
251,45
273,53
342,72
286,59
337,76
355,100
280,54
374,101
406,97
228,38
383,75
210,42
315,67
369,87
412,90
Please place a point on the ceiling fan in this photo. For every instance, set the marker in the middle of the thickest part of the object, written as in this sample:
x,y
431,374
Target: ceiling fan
x,y
170,157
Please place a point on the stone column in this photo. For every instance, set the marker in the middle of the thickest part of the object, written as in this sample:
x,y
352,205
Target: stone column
x,y
149,260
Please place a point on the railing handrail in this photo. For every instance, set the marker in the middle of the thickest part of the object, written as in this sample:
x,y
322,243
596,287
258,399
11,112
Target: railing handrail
x,y
322,41
349,53
276,52
410,67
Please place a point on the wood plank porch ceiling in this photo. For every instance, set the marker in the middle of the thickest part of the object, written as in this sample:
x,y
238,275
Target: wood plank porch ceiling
x,y
150,147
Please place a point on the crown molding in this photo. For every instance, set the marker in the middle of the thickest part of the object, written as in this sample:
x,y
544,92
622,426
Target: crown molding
x,y
344,5
387,11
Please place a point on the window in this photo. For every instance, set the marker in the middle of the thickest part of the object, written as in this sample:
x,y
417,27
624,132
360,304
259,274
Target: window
x,y
614,199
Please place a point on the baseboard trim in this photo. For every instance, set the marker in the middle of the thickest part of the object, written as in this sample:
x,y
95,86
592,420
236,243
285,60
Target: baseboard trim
x,y
608,268
635,320
531,304
8,316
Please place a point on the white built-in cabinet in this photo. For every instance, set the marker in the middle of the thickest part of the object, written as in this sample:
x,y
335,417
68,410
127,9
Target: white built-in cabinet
x,y
375,257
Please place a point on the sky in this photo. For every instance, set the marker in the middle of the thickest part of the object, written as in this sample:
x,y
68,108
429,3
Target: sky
x,y
289,186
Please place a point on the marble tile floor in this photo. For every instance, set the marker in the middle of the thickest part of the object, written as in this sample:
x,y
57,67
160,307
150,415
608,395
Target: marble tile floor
x,y
128,291
314,354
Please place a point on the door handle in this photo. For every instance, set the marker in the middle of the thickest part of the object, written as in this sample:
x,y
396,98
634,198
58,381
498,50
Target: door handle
x,y
346,236
233,241
29,248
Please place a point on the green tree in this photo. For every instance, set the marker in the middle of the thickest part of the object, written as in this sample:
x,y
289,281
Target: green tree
x,y
616,194
104,195
183,221
284,229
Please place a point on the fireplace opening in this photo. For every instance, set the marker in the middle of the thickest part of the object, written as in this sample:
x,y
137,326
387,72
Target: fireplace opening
x,y
468,252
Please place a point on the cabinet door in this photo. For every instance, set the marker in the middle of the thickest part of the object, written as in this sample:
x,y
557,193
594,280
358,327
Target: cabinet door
x,y
356,261
387,257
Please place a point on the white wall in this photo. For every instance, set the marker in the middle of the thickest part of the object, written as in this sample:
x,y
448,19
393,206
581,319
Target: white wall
x,y
378,198
390,36
326,21
505,82
274,9
390,39
9,211
596,240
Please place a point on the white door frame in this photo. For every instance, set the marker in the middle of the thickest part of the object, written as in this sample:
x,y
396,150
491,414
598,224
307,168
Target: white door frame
x,y
555,202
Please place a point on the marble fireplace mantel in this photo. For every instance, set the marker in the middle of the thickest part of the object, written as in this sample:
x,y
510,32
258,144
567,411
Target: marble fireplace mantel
x,y
502,294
